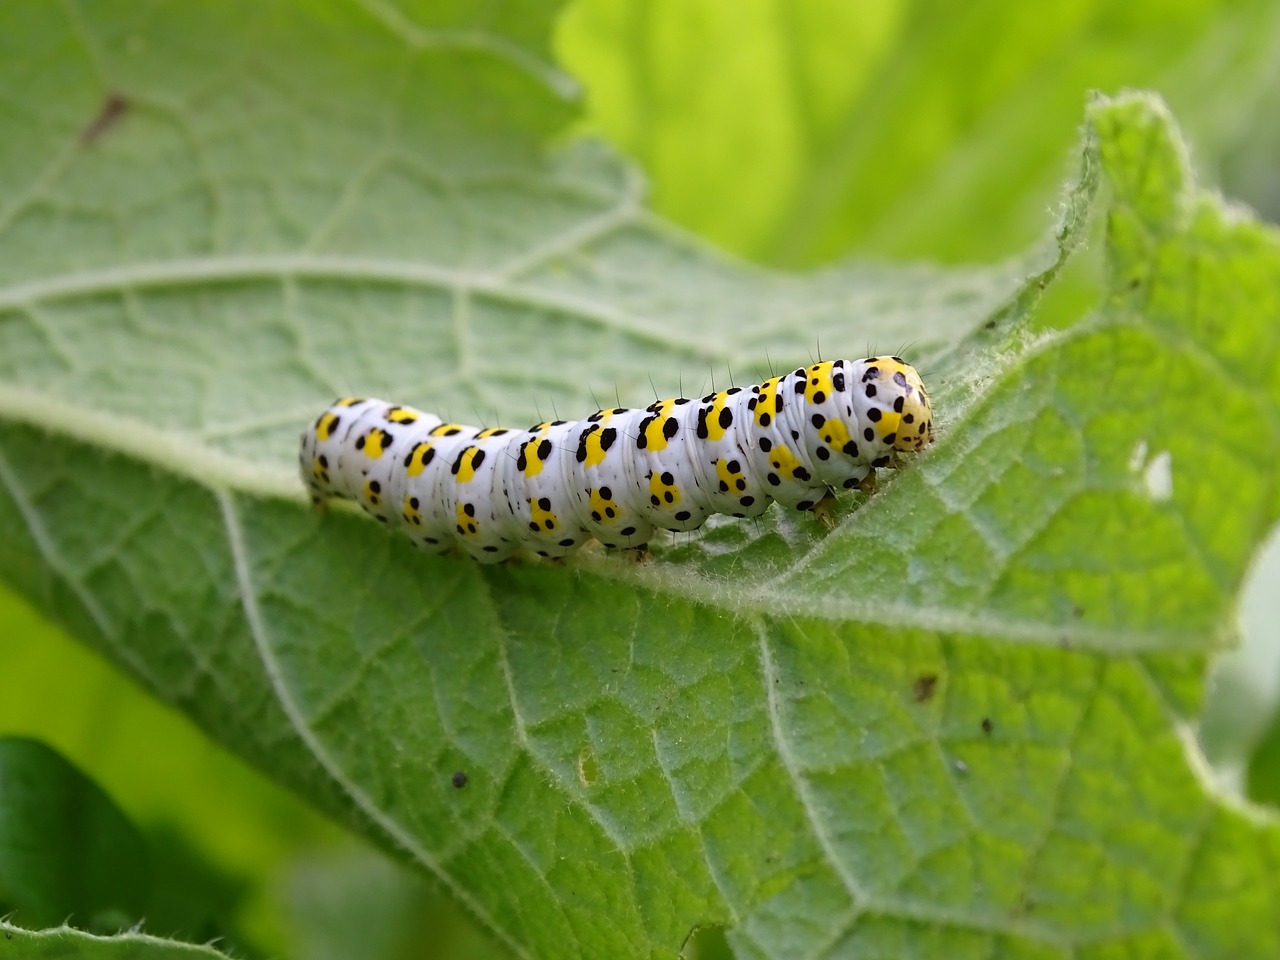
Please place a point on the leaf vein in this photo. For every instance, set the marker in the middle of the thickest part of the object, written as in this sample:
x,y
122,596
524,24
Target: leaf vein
x,y
275,675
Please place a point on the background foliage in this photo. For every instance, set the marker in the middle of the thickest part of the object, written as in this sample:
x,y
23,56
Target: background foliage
x,y
790,133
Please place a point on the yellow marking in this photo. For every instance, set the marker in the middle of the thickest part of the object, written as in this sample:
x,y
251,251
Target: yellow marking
x,y
730,479
370,494
835,434
467,464
784,461
373,447
603,510
349,401
412,515
714,430
324,429
596,454
819,381
446,430
533,463
888,423
659,490
541,518
767,402
319,471
892,366
401,415
490,432
467,526
654,438
418,459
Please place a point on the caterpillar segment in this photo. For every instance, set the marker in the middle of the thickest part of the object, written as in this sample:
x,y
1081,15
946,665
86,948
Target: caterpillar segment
x,y
619,475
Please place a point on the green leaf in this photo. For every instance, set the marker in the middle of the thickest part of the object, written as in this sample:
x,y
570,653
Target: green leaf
x,y
1264,783
215,830
65,849
860,135
64,943
954,726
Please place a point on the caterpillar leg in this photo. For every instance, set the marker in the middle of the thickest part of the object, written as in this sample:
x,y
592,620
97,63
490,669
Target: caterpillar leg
x,y
638,555
825,511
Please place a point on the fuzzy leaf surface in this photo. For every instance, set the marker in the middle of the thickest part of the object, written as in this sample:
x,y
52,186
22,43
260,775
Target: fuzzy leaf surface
x,y
955,726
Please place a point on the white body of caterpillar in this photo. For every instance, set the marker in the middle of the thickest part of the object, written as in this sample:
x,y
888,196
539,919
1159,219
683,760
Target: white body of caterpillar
x,y
619,474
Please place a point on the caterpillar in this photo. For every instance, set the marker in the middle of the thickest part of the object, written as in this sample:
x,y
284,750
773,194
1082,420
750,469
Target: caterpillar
x,y
620,474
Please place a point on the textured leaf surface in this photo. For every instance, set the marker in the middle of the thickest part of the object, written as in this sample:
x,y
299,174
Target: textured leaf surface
x,y
67,944
953,727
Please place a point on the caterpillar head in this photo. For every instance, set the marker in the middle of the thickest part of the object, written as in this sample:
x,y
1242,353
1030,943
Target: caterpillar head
x,y
908,416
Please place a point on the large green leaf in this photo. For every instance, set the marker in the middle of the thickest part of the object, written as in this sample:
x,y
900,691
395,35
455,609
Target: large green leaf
x,y
955,726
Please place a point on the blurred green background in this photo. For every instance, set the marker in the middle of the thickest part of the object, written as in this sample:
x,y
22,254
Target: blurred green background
x,y
792,133
797,133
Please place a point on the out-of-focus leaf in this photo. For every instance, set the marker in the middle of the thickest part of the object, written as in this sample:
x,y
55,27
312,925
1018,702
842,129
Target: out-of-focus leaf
x,y
794,132
66,850
357,904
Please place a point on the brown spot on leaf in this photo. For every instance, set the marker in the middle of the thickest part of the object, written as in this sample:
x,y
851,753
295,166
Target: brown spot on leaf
x,y
925,687
113,108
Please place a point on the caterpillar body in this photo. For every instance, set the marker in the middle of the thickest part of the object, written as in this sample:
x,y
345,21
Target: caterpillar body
x,y
620,474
